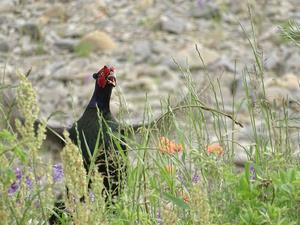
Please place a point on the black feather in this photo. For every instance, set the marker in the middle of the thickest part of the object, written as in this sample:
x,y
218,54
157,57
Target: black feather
x,y
93,130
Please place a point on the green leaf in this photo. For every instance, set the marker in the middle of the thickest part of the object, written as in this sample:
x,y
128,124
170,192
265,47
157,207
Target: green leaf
x,y
247,173
6,135
290,31
287,188
176,200
8,176
21,154
7,86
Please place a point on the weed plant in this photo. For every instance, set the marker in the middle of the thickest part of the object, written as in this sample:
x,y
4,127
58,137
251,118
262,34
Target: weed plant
x,y
176,173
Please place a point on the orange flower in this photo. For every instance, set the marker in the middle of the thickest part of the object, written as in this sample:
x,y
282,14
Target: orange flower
x,y
170,169
185,197
215,148
167,146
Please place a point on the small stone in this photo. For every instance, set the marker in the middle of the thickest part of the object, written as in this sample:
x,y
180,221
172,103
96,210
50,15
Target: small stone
x,y
273,60
189,57
172,24
145,4
290,81
226,63
160,47
296,154
98,41
241,150
240,159
292,63
142,49
205,10
66,44
32,30
72,30
4,47
277,95
6,6
56,12
94,11
157,72
143,83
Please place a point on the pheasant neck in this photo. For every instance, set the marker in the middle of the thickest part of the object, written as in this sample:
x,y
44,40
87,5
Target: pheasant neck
x,y
101,98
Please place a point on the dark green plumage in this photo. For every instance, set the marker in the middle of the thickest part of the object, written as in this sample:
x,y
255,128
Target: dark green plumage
x,y
94,129
97,124
93,126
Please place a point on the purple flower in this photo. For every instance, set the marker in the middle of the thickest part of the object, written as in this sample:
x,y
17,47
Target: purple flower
x,y
18,173
159,220
196,177
181,179
13,188
16,184
200,3
58,173
28,182
252,173
37,204
92,196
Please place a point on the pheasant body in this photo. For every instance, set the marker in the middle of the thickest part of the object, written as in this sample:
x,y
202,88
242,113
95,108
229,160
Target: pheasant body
x,y
91,130
94,129
92,134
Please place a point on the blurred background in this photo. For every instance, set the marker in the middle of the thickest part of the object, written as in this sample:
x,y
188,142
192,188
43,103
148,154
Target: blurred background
x,y
65,42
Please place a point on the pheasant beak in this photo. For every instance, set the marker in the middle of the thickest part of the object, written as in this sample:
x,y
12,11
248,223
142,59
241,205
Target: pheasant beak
x,y
111,79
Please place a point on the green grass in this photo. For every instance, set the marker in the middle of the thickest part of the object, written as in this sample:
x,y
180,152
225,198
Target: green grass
x,y
83,49
290,31
266,191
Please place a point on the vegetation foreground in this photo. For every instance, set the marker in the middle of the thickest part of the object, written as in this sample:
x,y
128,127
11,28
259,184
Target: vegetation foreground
x,y
172,177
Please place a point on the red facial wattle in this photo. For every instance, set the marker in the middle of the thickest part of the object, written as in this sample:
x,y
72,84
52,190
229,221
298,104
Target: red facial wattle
x,y
101,81
106,76
105,71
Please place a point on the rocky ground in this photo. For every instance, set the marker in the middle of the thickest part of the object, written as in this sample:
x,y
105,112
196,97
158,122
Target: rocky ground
x,y
66,41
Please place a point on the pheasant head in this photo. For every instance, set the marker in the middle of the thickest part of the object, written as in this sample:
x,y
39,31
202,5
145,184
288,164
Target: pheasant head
x,y
105,81
105,76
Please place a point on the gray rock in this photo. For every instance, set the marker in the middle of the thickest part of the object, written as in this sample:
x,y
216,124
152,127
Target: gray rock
x,y
143,83
6,6
157,72
289,81
293,62
98,41
4,20
277,95
32,30
172,24
240,158
73,30
188,57
4,47
226,63
56,12
66,44
53,67
72,71
207,11
142,49
272,61
160,47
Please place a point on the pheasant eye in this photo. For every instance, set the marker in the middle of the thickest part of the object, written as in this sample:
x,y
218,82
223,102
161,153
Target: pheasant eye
x,y
95,75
